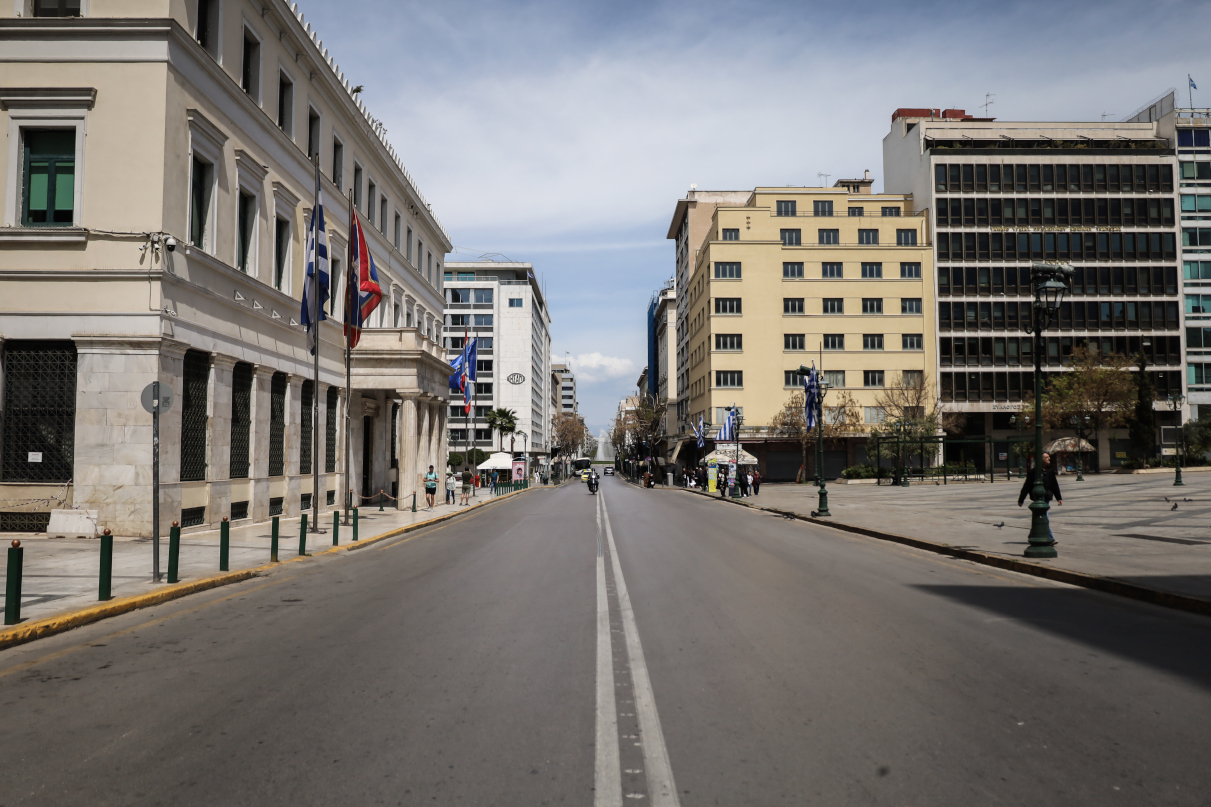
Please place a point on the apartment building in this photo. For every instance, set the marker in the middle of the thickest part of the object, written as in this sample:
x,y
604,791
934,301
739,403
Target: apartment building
x,y
1099,196
502,305
840,277
159,180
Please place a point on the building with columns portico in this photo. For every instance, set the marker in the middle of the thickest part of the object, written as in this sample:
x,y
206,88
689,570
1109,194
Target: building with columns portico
x,y
159,175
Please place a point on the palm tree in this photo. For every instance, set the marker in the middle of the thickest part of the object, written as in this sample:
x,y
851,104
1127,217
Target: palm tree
x,y
503,421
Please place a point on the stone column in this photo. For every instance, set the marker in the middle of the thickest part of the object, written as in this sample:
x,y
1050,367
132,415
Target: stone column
x,y
321,448
436,428
343,480
218,437
292,443
407,449
258,442
423,446
443,438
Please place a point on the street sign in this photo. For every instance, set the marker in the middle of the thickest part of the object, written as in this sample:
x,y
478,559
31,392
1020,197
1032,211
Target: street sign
x,y
1168,452
165,397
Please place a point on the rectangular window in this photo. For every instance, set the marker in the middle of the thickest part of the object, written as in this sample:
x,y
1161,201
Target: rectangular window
x,y
397,231
731,233
857,211
306,421
868,236
875,414
911,341
831,270
483,320
286,104
834,378
729,378
872,305
910,270
912,379
277,424
250,68
792,238
482,296
515,302
334,268
795,270
56,8
338,163
357,186
729,341
246,223
727,305
834,341
906,238
792,305
823,208
382,215
727,271
834,305
371,197
791,378
793,341
872,270
891,211
829,236
872,341
408,248
39,411
330,431
49,184
313,133
787,207
910,305
872,378
241,420
281,252
200,193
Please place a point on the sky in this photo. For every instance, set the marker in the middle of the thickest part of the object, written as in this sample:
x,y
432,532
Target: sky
x,y
563,133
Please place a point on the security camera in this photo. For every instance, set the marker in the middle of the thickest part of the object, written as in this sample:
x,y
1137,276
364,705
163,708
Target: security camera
x,y
171,243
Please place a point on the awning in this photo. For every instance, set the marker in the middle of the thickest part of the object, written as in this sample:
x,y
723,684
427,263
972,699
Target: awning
x,y
728,454
676,451
500,461
1068,444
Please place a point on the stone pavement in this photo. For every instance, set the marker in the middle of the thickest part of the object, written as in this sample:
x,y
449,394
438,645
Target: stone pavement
x,y
1110,525
61,574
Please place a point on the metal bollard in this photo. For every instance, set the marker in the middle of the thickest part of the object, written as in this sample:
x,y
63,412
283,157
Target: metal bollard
x,y
336,528
355,524
413,502
380,502
107,566
273,546
12,587
174,552
224,544
303,535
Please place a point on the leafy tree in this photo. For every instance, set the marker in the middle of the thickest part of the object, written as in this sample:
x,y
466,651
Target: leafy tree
x,y
840,419
455,460
1142,430
1196,438
503,421
1099,387
913,403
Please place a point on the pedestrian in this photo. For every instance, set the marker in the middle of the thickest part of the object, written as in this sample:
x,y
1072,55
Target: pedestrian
x,y
495,478
742,481
450,484
1051,488
467,477
721,481
756,482
430,487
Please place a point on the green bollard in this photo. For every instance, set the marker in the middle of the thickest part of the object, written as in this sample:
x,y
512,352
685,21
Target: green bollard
x,y
336,528
273,547
107,566
303,535
12,586
355,524
380,502
413,502
224,544
174,552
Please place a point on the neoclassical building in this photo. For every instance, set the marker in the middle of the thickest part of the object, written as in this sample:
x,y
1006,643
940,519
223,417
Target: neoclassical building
x,y
159,175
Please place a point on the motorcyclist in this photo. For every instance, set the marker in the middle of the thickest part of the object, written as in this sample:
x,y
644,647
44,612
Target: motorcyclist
x,y
594,481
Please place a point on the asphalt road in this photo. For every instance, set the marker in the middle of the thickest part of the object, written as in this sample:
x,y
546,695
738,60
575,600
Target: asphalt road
x,y
663,649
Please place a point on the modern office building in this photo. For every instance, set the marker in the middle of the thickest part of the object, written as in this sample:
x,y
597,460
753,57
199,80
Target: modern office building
x,y
567,389
158,185
1097,195
501,304
838,277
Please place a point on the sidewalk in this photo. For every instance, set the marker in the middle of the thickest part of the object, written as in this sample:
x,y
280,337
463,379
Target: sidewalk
x,y
60,575
1118,527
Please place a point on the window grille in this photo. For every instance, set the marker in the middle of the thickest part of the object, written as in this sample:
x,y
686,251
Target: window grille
x,y
193,415
305,426
193,516
277,425
395,435
241,419
239,510
24,522
275,506
331,497
305,502
330,437
39,411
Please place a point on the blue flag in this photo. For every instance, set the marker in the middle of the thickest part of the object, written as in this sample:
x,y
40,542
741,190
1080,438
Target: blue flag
x,y
317,272
811,398
700,431
1193,86
727,432
464,371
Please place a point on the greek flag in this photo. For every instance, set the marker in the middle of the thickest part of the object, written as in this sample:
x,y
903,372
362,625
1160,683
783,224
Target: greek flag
x,y
317,266
1193,86
700,432
811,397
727,432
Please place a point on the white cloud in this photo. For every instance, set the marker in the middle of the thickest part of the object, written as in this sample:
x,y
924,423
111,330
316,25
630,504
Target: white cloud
x,y
593,367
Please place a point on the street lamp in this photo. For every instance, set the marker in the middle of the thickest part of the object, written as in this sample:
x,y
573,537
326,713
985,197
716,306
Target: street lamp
x,y
822,506
1019,422
1080,438
1049,282
737,422
1175,403
525,450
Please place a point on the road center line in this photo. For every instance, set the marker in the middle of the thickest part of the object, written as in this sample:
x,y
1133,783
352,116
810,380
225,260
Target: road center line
x,y
607,777
661,788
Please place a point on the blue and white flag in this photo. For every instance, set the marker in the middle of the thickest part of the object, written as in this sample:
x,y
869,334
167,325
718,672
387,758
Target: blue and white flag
x,y
811,397
727,432
700,432
317,265
464,371
1193,86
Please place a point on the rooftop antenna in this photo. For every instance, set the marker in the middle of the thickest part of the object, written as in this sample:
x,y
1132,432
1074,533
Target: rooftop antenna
x,y
988,96
1105,115
826,176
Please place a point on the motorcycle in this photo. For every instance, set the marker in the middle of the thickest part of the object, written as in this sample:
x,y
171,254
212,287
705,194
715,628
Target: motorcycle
x,y
593,483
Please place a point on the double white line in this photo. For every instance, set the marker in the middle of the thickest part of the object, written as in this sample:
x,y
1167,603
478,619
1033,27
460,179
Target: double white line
x,y
608,778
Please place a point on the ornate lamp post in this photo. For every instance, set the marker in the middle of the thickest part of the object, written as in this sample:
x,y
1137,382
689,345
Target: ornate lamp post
x,y
822,506
1018,421
900,429
1175,403
1048,282
737,421
1080,438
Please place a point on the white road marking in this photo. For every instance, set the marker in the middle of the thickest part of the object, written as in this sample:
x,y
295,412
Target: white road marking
x,y
607,778
661,788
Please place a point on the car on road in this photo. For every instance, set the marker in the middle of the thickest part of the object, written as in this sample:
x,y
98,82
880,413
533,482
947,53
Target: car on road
x,y
609,471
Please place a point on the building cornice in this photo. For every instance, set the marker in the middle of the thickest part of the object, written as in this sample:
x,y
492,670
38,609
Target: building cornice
x,y
47,97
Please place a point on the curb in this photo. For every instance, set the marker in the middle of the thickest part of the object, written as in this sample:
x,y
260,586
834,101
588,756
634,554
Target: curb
x,y
50,626
1106,585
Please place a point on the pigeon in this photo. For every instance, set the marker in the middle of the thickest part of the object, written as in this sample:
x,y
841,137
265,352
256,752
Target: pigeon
x,y
1174,507
1166,500
1187,500
998,526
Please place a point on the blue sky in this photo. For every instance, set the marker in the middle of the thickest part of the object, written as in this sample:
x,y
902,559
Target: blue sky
x,y
564,133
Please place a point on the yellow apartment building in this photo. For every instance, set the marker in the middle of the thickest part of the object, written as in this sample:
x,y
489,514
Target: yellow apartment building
x,y
838,276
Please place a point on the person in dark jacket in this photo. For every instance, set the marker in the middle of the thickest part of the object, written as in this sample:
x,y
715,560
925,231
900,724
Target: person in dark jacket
x,y
1051,487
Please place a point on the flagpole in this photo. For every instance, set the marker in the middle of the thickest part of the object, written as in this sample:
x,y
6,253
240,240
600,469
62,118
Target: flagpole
x,y
348,315
315,323
467,409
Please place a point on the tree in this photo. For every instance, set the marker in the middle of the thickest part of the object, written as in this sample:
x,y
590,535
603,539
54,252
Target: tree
x,y
1142,431
503,421
791,421
455,460
1099,387
1196,438
567,434
912,403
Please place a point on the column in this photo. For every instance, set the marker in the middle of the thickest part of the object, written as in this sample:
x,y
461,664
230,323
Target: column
x,y
320,460
291,443
407,449
423,443
258,442
218,437
437,429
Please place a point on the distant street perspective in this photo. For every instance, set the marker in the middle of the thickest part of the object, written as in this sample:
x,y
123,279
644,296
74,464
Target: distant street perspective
x,y
498,403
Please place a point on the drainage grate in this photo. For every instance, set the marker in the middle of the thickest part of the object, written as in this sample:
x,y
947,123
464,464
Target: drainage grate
x,y
24,522
239,510
193,516
275,506
305,502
